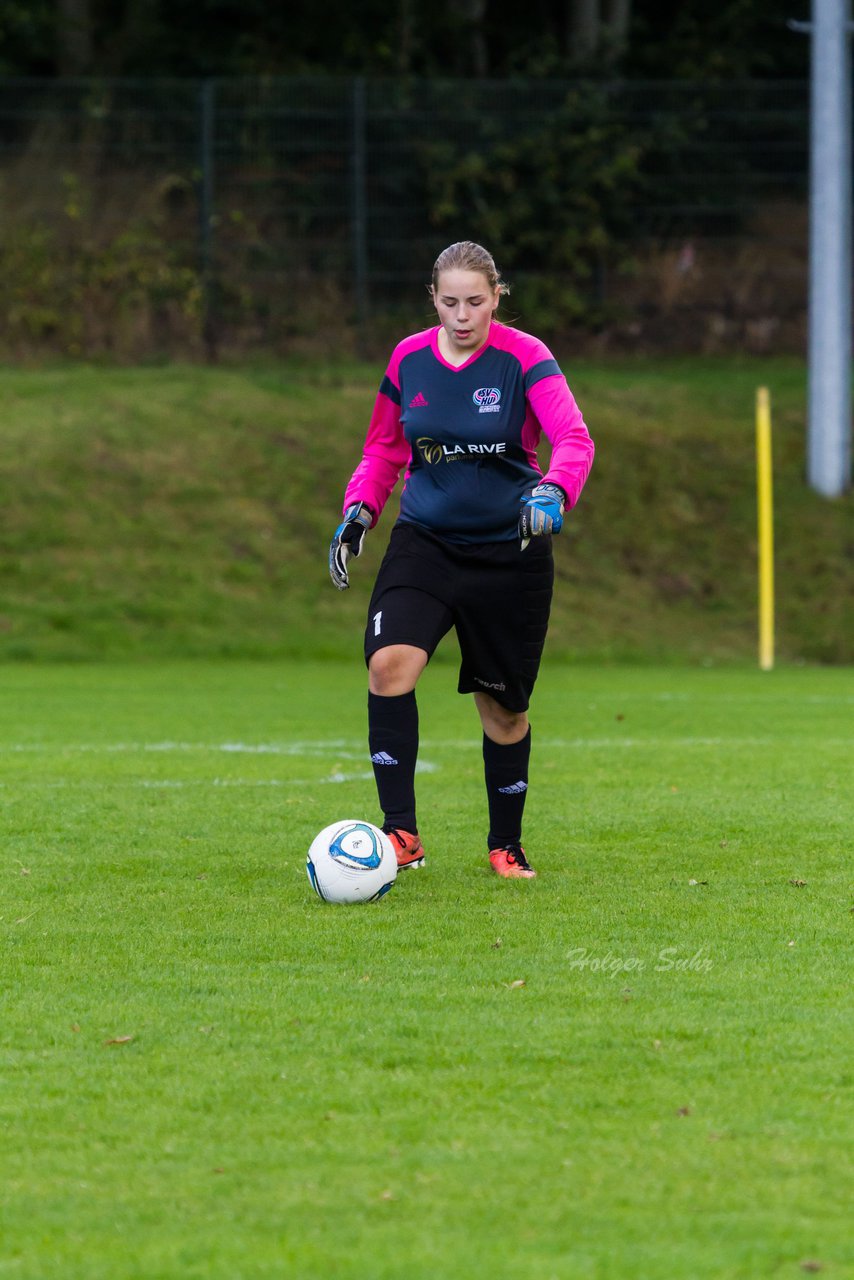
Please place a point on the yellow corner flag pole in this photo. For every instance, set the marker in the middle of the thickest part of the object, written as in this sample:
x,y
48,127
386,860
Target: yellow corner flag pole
x,y
765,504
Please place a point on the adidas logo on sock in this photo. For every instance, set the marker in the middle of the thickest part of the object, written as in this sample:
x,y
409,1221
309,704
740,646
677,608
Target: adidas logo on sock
x,y
513,789
382,757
420,402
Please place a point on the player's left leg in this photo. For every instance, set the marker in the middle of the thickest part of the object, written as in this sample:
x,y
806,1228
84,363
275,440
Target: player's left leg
x,y
506,755
501,623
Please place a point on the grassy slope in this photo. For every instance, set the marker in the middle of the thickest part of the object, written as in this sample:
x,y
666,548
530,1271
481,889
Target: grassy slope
x,y
310,1092
155,512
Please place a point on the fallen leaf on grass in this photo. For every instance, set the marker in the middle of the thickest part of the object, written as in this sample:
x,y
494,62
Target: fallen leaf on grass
x,y
812,1264
25,871
518,982
698,882
75,1026
119,1040
797,884
497,943
386,1195
683,1111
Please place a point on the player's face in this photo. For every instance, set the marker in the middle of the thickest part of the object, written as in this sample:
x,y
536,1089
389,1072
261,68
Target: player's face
x,y
465,304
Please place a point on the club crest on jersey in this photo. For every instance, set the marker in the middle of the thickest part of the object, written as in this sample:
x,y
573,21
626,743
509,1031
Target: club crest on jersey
x,y
487,399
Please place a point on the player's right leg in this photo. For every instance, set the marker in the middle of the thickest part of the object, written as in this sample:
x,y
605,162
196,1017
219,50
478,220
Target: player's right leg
x,y
394,669
393,737
404,627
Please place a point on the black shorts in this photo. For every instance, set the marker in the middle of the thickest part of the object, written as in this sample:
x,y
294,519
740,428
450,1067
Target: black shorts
x,y
497,597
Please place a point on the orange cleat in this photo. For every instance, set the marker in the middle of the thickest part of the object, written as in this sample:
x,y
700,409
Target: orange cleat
x,y
408,847
511,862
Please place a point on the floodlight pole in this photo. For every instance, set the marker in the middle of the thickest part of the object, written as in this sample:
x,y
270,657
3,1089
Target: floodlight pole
x,y
829,377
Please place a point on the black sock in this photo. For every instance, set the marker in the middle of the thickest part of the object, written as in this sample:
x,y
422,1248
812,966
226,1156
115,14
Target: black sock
x,y
393,739
506,771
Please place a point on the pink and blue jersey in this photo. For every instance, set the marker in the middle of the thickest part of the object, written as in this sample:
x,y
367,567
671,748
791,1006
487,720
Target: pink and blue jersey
x,y
468,435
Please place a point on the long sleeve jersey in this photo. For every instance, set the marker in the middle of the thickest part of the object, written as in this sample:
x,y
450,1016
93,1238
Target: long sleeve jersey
x,y
468,435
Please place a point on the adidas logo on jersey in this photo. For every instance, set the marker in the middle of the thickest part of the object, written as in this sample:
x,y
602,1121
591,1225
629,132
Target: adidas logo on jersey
x,y
514,789
382,757
419,402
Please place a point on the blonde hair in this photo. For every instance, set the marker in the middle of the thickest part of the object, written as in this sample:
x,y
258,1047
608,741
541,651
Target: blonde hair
x,y
465,255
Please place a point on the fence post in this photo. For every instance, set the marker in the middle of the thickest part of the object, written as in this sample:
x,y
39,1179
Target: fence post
x,y
360,204
207,105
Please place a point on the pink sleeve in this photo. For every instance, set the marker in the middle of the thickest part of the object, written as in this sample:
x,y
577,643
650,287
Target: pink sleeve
x,y
562,423
385,453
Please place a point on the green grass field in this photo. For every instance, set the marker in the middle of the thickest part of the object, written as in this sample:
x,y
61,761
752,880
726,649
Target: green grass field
x,y
636,1067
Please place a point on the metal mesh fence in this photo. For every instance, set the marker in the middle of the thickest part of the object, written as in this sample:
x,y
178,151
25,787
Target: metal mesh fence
x,y
177,215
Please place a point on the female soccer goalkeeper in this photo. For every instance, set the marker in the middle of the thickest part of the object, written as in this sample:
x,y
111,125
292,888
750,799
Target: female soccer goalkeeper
x,y
462,407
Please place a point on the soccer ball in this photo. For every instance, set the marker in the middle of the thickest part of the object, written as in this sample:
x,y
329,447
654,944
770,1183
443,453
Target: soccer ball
x,y
351,861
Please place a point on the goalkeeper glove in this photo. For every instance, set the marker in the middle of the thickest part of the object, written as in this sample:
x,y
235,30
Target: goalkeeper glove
x,y
347,542
542,512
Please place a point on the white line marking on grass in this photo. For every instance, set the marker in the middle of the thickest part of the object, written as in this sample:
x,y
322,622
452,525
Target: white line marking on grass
x,y
157,783
164,784
595,744
344,750
366,774
350,750
658,743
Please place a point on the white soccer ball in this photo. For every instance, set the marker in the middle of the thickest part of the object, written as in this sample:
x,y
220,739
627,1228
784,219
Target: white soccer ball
x,y
351,861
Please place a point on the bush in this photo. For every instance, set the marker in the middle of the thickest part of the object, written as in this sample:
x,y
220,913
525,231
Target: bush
x,y
78,289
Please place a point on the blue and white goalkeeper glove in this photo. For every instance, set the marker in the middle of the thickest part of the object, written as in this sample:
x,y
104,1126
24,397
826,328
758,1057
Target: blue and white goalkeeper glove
x,y
347,542
542,512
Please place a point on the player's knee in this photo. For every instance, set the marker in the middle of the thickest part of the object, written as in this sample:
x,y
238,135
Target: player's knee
x,y
394,670
499,724
510,727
